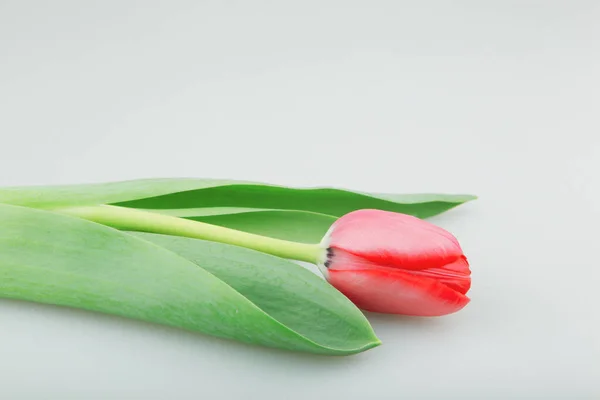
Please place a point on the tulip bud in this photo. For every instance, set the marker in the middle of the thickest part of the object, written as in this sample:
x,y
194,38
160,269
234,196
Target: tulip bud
x,y
394,263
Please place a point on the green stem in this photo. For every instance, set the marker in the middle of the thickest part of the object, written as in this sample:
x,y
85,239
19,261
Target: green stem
x,y
144,221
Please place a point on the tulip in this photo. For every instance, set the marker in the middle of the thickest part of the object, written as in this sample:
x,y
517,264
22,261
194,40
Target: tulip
x,y
394,263
383,261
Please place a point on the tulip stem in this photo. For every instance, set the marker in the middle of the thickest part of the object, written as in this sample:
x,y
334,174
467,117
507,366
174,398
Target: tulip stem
x,y
144,221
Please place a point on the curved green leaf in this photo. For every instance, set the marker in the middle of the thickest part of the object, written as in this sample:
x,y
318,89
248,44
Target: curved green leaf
x,y
291,295
202,193
56,259
299,214
329,201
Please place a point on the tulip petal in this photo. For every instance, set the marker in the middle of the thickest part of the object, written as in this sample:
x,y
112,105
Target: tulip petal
x,y
397,292
395,240
455,275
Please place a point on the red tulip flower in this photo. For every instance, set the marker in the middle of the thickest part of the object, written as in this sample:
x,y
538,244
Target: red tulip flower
x,y
394,263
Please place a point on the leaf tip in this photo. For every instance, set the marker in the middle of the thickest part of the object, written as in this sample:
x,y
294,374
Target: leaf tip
x,y
375,342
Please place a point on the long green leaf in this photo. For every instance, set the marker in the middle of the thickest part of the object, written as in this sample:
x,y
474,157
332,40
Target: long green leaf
x,y
51,258
291,295
201,193
300,214
329,201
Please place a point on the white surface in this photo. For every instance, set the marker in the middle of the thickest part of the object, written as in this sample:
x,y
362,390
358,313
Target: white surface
x,y
499,99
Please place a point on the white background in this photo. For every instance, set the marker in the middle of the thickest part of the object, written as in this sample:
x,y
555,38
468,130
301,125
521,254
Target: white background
x,y
498,99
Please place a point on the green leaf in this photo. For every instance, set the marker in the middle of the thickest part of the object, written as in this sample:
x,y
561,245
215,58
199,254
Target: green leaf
x,y
202,193
329,201
62,260
298,214
291,294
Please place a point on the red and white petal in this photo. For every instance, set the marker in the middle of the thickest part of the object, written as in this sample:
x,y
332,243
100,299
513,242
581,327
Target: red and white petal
x,y
397,292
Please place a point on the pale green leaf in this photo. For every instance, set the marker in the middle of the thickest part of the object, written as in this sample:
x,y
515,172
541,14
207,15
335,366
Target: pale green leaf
x,y
299,214
56,259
